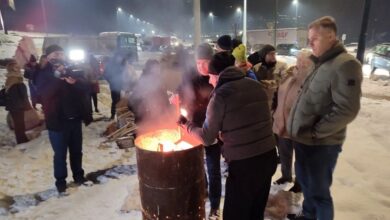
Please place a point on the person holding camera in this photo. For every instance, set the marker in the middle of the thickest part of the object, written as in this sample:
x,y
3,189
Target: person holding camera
x,y
65,100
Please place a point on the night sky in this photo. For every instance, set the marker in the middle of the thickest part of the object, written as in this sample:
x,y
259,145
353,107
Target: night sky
x,y
175,16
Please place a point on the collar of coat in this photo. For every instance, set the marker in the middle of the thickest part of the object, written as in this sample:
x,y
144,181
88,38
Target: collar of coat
x,y
333,52
228,75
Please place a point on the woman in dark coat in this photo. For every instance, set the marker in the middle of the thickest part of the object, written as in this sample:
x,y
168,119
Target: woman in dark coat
x,y
17,100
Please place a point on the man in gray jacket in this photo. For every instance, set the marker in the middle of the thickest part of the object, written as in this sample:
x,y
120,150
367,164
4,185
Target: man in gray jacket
x,y
328,101
238,110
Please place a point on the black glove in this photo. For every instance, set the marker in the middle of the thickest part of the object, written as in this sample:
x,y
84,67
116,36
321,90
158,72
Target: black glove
x,y
182,120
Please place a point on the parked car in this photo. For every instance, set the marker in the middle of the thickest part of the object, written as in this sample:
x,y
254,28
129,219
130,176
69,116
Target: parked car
x,y
351,48
381,57
287,49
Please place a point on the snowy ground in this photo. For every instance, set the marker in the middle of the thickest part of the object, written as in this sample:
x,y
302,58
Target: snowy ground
x,y
360,190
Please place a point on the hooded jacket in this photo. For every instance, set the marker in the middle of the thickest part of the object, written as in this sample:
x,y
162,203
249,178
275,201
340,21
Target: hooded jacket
x,y
329,100
239,111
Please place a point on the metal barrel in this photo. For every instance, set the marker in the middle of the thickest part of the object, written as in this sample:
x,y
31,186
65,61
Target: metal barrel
x,y
172,184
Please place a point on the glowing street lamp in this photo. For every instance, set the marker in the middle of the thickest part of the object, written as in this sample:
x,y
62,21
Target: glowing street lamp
x,y
296,3
131,16
153,32
119,9
238,10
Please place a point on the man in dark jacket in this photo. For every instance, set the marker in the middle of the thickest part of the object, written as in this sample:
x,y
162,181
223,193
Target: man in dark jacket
x,y
194,96
238,110
329,100
65,104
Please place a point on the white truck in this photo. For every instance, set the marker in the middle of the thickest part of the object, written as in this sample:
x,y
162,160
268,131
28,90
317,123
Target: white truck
x,y
294,36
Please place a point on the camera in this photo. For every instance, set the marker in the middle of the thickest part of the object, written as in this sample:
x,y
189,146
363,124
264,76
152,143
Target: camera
x,y
69,70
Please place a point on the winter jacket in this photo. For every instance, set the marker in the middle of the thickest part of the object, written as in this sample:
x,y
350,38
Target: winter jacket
x,y
286,96
194,96
329,100
17,98
238,110
61,100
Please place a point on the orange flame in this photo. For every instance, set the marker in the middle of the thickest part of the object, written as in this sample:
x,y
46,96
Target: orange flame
x,y
162,140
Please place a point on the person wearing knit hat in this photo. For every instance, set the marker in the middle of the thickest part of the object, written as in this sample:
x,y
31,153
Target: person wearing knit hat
x,y
194,96
241,62
203,57
54,52
224,43
66,104
238,112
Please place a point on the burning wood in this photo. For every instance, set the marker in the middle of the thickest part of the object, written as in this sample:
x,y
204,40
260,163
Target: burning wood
x,y
162,141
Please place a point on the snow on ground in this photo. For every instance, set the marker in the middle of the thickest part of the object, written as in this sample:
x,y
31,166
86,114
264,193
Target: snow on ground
x,y
360,190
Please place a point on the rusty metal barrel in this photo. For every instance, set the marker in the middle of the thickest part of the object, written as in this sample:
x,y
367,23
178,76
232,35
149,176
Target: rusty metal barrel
x,y
172,184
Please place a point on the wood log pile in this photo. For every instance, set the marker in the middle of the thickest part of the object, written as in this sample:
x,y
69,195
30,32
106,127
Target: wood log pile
x,y
122,130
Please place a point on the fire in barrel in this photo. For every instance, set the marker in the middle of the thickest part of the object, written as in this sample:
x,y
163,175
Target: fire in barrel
x,y
171,176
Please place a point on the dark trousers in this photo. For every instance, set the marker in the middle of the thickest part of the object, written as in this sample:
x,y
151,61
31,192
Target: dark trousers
x,y
19,126
69,138
248,186
286,150
115,97
314,168
213,164
94,100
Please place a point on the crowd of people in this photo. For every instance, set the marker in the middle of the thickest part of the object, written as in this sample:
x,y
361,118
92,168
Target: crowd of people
x,y
250,110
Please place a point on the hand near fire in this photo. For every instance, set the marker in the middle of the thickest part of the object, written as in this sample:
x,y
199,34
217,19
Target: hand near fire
x,y
182,120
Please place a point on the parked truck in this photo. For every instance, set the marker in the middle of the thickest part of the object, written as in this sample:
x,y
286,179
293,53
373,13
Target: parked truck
x,y
297,37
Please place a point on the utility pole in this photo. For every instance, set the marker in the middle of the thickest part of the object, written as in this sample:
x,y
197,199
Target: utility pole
x,y
2,22
363,31
244,24
275,20
197,35
44,16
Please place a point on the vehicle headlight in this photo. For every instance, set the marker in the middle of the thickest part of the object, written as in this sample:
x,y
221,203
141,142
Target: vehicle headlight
x,y
77,55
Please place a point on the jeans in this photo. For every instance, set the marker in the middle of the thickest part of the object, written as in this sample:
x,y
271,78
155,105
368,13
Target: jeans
x,y
70,137
248,186
286,149
314,168
115,97
213,164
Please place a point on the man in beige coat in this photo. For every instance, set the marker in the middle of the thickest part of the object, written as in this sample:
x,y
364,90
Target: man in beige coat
x,y
328,101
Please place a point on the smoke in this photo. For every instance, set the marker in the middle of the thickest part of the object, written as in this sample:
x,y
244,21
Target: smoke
x,y
149,99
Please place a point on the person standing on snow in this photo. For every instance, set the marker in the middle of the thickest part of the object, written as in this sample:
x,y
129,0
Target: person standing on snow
x,y
328,102
286,97
66,102
194,96
238,110
16,100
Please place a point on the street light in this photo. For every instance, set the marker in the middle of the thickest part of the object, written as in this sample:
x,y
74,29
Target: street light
x,y
119,9
296,3
238,10
211,15
131,16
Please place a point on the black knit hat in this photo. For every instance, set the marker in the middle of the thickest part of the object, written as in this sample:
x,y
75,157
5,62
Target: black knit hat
x,y
235,43
254,58
52,48
225,42
264,51
220,62
205,51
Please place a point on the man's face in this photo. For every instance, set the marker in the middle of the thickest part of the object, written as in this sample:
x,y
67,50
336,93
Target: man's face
x,y
270,57
213,80
203,66
56,55
321,40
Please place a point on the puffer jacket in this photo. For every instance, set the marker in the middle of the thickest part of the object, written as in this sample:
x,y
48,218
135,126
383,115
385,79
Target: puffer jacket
x,y
329,100
238,109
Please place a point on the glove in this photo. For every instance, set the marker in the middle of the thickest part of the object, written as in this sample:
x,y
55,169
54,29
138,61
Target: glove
x,y
182,120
